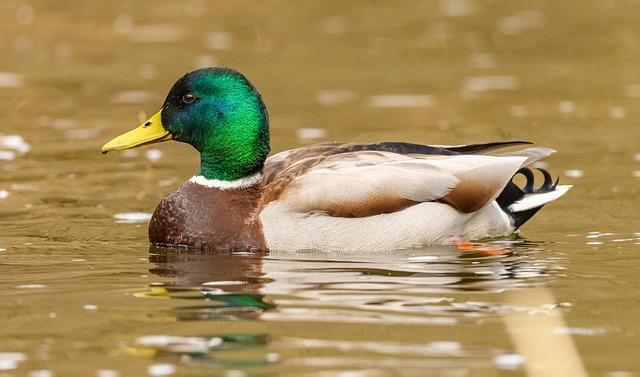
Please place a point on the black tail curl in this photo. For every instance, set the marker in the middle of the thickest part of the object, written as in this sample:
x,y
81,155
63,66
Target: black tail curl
x,y
512,193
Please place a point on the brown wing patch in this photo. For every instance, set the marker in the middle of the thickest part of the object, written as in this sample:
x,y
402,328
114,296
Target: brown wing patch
x,y
469,196
374,205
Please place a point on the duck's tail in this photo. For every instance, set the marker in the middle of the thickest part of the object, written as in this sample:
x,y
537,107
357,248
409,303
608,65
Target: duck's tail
x,y
521,203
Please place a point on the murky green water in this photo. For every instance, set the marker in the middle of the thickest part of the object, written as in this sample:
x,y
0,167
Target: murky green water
x,y
82,294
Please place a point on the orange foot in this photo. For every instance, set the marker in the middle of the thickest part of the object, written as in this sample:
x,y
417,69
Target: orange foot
x,y
484,248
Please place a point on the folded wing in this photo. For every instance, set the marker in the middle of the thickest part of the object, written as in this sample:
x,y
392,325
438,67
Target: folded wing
x,y
367,183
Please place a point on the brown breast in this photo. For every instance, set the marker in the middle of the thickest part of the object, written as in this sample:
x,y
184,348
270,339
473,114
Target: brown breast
x,y
209,219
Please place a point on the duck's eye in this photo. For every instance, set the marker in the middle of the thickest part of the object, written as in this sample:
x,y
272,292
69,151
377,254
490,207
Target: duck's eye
x,y
188,97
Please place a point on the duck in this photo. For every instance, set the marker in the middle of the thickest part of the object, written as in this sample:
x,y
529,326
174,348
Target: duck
x,y
331,196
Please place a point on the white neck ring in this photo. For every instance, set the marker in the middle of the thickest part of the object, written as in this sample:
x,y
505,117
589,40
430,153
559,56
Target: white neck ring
x,y
236,184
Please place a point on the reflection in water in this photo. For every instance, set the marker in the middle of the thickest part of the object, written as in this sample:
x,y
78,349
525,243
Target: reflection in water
x,y
228,285
226,288
203,350
439,286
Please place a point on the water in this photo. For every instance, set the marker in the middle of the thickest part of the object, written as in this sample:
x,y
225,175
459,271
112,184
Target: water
x,y
82,293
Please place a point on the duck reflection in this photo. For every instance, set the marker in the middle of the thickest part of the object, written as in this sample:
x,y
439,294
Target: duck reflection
x,y
432,281
207,287
438,287
226,286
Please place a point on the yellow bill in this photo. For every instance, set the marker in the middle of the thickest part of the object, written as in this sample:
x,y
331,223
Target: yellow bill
x,y
151,131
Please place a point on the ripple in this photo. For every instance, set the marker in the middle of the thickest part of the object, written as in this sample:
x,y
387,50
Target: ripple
x,y
15,143
208,350
11,360
156,33
132,217
218,40
305,134
10,80
478,84
401,100
329,97
161,369
134,97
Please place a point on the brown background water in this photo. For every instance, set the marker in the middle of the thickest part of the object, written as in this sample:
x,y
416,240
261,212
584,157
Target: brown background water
x,y
83,295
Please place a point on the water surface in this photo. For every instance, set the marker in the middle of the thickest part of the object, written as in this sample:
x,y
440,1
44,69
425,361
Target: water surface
x,y
82,293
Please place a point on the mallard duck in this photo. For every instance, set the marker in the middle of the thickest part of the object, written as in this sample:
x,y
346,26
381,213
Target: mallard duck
x,y
328,196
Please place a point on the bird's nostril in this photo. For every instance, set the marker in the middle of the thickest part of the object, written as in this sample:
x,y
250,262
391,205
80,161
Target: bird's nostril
x,y
147,124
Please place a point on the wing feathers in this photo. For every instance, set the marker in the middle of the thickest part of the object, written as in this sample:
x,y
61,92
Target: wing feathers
x,y
357,180
532,154
354,191
482,183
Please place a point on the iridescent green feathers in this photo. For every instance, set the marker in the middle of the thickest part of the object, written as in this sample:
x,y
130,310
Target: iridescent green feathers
x,y
221,114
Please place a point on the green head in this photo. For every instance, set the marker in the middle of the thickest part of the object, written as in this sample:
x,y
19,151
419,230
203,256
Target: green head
x,y
219,113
